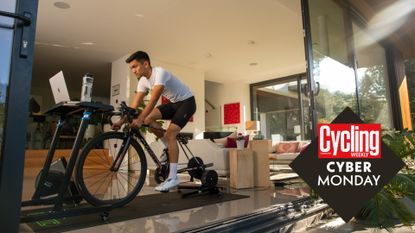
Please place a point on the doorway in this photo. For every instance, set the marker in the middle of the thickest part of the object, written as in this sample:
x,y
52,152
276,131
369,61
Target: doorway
x,y
282,108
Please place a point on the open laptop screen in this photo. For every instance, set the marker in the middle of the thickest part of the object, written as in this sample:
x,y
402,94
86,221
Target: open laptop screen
x,y
59,89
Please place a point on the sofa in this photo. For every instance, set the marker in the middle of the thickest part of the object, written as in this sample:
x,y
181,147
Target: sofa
x,y
207,150
284,152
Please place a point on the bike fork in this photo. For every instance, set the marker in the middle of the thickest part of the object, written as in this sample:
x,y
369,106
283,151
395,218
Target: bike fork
x,y
120,155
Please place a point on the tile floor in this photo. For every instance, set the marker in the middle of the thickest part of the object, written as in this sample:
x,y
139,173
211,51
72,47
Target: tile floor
x,y
170,222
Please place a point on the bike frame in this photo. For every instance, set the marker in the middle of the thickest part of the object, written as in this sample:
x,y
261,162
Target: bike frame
x,y
135,133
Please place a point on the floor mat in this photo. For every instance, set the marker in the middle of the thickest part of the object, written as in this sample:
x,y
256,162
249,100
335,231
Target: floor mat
x,y
141,206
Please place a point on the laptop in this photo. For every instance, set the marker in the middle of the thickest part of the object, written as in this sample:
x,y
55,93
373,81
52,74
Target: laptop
x,y
59,89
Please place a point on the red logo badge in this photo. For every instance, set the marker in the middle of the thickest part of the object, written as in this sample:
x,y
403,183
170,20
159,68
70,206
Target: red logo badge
x,y
349,141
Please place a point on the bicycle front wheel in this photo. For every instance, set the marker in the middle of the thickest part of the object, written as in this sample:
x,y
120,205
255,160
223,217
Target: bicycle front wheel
x,y
102,183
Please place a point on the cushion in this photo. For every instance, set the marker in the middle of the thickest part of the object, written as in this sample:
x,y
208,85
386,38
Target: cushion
x,y
224,141
220,145
302,145
231,142
286,147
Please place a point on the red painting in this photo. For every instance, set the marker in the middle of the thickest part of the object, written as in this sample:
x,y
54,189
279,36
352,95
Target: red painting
x,y
232,113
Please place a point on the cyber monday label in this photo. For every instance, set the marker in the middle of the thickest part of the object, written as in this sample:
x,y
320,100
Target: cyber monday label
x,y
347,164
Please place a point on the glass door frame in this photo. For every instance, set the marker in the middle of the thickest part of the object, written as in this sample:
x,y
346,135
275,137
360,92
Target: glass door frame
x,y
350,14
17,97
308,49
298,78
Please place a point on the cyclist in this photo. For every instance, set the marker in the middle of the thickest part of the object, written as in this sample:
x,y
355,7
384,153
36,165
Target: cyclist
x,y
179,110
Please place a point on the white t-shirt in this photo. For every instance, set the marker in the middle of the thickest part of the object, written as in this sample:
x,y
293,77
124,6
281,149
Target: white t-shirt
x,y
174,89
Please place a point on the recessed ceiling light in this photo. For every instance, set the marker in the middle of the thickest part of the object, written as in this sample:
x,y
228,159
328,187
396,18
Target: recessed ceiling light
x,y
87,43
139,15
253,64
62,5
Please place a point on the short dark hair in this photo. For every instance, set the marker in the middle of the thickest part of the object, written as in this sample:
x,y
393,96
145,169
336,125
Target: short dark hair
x,y
139,56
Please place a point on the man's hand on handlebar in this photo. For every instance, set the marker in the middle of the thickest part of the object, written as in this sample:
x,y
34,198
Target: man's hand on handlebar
x,y
137,123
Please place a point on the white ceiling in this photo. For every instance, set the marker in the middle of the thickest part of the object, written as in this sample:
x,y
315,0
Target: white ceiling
x,y
213,36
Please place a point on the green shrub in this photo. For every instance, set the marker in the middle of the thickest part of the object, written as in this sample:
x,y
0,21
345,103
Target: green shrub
x,y
387,208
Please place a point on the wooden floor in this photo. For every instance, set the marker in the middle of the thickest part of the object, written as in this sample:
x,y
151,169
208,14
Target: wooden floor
x,y
34,160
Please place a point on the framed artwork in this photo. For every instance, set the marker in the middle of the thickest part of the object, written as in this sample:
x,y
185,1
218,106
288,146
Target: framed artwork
x,y
115,90
231,113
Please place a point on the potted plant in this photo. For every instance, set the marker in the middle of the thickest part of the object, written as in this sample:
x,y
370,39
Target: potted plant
x,y
393,203
240,141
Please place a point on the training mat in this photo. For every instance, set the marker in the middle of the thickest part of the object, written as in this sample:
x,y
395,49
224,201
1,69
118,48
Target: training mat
x,y
142,206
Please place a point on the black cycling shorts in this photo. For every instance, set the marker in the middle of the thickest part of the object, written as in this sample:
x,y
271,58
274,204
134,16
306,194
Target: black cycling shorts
x,y
180,112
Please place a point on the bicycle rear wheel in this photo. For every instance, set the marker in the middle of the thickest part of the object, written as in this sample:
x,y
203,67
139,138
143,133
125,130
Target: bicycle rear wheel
x,y
97,180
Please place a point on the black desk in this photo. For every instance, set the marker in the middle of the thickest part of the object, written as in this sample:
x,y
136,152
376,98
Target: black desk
x,y
64,109
71,108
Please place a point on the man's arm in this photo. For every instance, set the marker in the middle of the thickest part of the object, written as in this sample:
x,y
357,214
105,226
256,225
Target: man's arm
x,y
138,99
155,95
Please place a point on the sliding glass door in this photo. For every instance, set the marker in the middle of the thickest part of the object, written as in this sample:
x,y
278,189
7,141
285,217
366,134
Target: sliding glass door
x,y
346,66
282,107
17,33
332,65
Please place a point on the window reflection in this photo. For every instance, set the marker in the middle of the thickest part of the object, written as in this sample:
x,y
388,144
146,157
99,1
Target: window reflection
x,y
336,88
282,109
6,36
332,72
372,79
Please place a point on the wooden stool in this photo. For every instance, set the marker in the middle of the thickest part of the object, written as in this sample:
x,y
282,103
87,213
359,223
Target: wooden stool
x,y
241,166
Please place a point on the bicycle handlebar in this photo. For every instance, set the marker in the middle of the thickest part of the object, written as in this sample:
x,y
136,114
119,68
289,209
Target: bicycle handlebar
x,y
130,113
124,110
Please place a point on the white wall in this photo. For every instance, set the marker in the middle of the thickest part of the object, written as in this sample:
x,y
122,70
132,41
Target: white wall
x,y
213,114
220,94
194,79
120,76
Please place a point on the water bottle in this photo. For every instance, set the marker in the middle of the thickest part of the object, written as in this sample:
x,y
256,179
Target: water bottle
x,y
86,92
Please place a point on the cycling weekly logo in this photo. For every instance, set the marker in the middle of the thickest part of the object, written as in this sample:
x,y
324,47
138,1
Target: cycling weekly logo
x,y
348,141
347,164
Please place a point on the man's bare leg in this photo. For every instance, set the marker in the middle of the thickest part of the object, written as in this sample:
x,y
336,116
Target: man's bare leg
x,y
171,135
155,127
172,131
173,149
